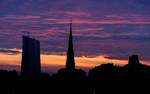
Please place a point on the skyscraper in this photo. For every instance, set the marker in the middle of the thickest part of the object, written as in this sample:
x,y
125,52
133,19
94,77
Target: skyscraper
x,y
30,66
70,63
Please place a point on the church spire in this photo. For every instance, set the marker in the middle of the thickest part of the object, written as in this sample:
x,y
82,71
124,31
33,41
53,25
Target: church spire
x,y
70,63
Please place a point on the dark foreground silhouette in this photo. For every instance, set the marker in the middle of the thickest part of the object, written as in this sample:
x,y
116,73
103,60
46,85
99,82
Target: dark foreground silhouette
x,y
131,78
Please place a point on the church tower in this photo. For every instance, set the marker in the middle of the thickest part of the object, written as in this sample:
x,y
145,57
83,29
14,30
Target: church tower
x,y
70,63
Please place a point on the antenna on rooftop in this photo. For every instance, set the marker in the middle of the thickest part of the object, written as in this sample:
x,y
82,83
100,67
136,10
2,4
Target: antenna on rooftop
x,y
27,33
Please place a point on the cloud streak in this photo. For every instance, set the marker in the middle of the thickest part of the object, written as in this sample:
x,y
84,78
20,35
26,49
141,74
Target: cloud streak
x,y
10,51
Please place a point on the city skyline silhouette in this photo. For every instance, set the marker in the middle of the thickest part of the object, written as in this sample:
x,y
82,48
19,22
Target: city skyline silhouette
x,y
104,31
69,79
74,46
70,57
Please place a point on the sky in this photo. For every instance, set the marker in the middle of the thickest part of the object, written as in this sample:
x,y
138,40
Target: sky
x,y
104,31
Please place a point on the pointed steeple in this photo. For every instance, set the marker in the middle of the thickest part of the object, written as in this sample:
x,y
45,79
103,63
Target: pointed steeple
x,y
70,63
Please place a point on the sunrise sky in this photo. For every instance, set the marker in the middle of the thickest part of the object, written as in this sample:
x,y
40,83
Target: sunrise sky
x,y
105,31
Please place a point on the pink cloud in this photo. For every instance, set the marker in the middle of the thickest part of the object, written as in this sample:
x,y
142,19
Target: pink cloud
x,y
82,21
16,17
90,29
139,22
77,14
79,21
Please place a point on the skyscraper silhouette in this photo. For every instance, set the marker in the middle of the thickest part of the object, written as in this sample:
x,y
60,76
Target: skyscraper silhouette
x,y
70,63
30,66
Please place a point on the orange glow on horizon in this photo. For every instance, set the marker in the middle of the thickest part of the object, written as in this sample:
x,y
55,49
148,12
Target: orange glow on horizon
x,y
60,60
